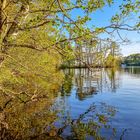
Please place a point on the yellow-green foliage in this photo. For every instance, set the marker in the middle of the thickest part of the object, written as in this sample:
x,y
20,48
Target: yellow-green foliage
x,y
27,70
29,80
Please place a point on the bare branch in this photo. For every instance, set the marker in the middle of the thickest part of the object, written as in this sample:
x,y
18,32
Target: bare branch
x,y
35,26
121,27
55,11
64,12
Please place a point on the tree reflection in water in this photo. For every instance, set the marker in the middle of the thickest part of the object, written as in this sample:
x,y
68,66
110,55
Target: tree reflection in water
x,y
131,70
95,122
45,118
91,124
42,123
89,83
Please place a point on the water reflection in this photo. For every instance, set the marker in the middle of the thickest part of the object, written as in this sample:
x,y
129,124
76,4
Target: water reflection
x,y
25,120
94,121
84,80
83,87
90,124
68,82
135,71
89,83
71,114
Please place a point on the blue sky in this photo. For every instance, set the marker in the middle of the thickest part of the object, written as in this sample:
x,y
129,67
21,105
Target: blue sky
x,y
102,18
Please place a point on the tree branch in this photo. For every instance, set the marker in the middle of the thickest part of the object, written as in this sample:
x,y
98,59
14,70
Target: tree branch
x,y
54,11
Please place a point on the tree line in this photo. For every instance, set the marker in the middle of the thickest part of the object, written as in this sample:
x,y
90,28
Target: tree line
x,y
132,60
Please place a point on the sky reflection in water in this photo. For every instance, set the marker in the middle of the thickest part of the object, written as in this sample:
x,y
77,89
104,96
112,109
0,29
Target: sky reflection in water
x,y
115,88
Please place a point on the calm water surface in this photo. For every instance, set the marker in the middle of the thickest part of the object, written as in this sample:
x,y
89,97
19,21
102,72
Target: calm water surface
x,y
102,104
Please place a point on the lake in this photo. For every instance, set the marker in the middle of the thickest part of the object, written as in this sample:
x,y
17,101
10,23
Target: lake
x,y
100,104
92,104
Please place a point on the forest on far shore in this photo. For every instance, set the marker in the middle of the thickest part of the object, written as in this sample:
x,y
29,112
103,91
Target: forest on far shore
x,y
132,60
